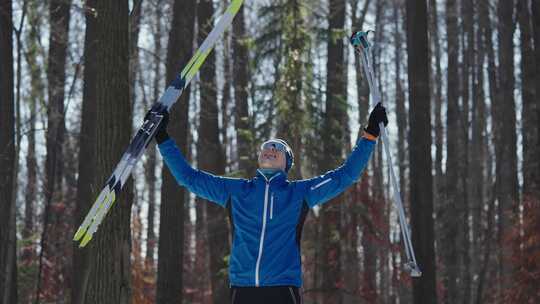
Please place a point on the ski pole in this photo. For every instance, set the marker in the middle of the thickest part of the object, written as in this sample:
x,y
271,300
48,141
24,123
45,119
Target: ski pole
x,y
362,46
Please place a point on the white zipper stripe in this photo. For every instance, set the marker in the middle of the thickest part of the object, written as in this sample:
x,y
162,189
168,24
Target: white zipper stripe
x,y
271,205
321,183
257,266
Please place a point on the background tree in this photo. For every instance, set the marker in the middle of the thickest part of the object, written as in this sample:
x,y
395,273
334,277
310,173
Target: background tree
x,y
333,141
211,158
87,157
173,197
8,270
242,119
420,147
109,280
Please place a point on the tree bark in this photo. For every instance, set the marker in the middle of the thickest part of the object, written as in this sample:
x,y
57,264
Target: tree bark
x,y
333,141
449,214
59,16
210,157
87,157
536,33
244,136
479,152
110,277
174,197
151,162
420,151
8,269
36,97
505,132
467,77
529,131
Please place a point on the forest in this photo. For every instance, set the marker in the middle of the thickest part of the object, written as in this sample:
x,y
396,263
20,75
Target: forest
x,y
459,80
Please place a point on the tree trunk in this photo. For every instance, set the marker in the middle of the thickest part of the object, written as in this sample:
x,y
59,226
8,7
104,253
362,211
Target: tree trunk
x,y
87,156
36,97
290,112
210,157
450,212
151,161
492,72
173,197
467,8
531,162
362,86
420,154
110,277
479,153
333,141
505,132
244,136
54,163
536,31
8,269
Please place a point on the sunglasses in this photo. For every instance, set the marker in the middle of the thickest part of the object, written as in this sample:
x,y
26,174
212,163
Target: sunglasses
x,y
274,144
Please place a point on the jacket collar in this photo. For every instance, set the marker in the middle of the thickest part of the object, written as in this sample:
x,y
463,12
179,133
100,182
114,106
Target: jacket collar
x,y
279,177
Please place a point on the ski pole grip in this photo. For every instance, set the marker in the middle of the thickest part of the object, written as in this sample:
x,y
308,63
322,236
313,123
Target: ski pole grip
x,y
359,39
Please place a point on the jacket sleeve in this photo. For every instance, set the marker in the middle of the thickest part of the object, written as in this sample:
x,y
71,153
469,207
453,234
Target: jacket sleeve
x,y
324,187
203,184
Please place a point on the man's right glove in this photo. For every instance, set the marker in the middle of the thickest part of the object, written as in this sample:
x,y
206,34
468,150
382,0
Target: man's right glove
x,y
161,132
377,116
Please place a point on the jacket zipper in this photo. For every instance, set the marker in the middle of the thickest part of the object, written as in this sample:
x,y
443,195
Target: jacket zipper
x,y
271,205
258,264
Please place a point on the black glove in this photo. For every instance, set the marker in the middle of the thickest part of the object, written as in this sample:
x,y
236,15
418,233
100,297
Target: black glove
x,y
161,132
377,116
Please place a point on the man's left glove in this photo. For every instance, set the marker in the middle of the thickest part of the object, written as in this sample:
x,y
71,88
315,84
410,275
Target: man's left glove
x,y
377,116
161,132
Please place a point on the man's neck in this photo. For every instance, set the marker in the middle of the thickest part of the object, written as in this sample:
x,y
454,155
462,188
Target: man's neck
x,y
269,172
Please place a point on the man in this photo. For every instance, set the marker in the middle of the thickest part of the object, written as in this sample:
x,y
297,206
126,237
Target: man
x,y
268,211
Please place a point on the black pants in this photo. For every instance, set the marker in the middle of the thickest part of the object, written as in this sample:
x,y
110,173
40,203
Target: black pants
x,y
266,295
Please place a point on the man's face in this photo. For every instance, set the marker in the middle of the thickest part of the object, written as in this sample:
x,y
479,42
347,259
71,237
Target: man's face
x,y
270,157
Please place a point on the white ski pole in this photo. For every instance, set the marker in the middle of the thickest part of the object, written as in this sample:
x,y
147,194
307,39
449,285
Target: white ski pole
x,y
362,46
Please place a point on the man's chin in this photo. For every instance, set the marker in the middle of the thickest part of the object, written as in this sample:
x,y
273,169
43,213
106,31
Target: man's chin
x,y
267,166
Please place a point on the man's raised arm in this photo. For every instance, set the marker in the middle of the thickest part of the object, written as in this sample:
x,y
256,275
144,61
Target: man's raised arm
x,y
322,188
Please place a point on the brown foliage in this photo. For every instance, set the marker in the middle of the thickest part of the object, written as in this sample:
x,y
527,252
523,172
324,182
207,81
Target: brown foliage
x,y
524,282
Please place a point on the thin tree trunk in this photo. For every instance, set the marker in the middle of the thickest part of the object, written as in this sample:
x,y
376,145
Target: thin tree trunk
x,y
87,157
505,133
290,112
333,140
56,76
420,157
362,87
449,213
536,34
467,77
478,152
8,270
529,131
110,277
36,97
244,137
210,157
174,197
401,114
226,97
151,161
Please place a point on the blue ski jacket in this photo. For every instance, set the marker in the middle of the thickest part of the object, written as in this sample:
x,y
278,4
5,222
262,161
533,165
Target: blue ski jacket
x,y
267,215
